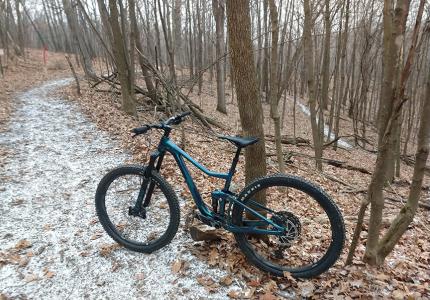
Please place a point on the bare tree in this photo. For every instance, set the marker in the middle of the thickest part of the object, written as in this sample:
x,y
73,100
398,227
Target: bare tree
x,y
218,7
250,109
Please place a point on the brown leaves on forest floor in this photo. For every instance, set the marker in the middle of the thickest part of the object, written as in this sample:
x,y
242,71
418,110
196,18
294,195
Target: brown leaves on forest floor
x,y
405,274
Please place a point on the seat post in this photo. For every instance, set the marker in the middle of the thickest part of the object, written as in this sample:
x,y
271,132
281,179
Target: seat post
x,y
232,169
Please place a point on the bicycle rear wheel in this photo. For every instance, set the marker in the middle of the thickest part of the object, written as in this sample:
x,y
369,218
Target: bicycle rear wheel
x,y
117,193
315,231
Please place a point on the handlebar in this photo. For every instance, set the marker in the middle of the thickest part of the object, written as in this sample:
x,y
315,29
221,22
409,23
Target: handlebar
x,y
175,120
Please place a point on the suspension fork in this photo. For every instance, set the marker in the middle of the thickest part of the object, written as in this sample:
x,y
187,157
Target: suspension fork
x,y
147,186
151,182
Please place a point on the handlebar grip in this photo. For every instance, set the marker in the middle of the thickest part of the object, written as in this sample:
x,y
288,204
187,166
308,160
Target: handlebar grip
x,y
177,119
141,130
184,114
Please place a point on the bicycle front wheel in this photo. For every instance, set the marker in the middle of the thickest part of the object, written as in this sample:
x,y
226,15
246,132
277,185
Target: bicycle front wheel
x,y
314,229
155,225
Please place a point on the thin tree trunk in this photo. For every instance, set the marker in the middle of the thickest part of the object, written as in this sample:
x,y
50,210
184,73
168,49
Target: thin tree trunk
x,y
218,7
309,62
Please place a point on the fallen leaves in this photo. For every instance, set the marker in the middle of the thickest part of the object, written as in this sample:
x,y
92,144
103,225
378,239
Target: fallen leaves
x,y
226,280
176,266
48,274
23,244
306,288
208,282
105,249
339,282
180,266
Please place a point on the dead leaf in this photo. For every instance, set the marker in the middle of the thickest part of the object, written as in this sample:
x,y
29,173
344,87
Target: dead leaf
x,y
268,296
213,257
254,283
398,295
96,236
49,274
23,244
289,276
233,294
24,261
176,266
226,280
47,227
306,288
107,249
205,280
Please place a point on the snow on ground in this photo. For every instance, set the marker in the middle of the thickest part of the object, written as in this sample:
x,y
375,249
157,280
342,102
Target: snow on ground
x,y
50,238
340,142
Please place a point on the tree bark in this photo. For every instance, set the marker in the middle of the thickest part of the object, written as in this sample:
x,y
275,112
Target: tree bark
x,y
309,62
250,108
218,7
127,91
72,19
274,111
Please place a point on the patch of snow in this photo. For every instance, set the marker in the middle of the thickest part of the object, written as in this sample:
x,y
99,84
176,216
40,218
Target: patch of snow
x,y
47,193
340,142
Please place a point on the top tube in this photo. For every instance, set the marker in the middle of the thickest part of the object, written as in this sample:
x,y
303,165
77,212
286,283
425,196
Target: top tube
x,y
170,146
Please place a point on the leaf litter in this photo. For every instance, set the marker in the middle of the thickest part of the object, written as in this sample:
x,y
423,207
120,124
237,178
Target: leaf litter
x,y
405,274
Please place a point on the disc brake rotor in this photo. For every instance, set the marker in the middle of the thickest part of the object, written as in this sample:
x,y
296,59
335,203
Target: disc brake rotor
x,y
292,228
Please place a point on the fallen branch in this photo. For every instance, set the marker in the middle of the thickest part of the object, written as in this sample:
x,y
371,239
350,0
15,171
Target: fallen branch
x,y
289,140
176,93
343,165
410,161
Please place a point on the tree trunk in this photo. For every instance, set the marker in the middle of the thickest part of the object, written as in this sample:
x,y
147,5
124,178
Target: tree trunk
x,y
406,215
250,109
72,19
309,62
119,51
326,57
145,71
218,7
274,111
394,79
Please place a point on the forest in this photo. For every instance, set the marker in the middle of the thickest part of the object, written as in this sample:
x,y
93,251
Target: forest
x,y
336,91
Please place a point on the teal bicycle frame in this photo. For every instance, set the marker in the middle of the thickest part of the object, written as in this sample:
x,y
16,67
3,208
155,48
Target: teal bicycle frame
x,y
207,215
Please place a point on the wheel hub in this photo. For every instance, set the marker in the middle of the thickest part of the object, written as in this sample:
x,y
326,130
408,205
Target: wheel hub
x,y
141,213
292,227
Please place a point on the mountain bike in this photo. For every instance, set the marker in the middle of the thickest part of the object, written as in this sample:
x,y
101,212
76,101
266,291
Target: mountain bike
x,y
281,223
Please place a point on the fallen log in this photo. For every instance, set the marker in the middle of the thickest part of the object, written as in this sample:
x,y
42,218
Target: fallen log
x,y
343,165
289,140
410,161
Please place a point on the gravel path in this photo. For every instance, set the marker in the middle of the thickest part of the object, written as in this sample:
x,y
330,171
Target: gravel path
x,y
51,244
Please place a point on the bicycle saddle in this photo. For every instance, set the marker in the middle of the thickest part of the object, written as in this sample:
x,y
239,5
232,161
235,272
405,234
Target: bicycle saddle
x,y
238,141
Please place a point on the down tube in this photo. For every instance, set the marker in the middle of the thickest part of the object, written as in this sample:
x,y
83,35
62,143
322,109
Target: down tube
x,y
191,185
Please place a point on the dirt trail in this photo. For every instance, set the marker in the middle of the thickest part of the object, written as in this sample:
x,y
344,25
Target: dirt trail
x,y
51,244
